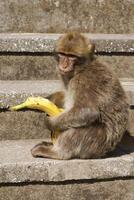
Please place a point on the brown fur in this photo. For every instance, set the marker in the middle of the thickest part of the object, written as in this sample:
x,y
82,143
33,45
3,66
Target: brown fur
x,y
96,108
75,44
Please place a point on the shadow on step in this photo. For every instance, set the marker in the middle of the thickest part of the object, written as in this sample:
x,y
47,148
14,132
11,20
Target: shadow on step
x,y
126,146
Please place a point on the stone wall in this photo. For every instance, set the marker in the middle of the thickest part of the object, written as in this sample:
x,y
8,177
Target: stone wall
x,y
95,16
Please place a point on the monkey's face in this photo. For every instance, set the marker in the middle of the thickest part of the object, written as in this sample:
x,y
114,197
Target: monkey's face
x,y
66,63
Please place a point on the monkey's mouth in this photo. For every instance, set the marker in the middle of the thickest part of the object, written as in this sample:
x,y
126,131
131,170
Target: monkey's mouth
x,y
65,70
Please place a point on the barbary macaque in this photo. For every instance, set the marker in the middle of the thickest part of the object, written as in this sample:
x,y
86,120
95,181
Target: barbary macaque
x,y
95,105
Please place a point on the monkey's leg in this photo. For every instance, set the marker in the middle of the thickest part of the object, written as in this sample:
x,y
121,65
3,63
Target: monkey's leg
x,y
43,150
64,147
75,143
81,143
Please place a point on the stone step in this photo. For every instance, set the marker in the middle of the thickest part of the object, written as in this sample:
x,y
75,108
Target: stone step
x,y
13,92
29,56
23,176
44,43
100,16
39,67
19,165
31,124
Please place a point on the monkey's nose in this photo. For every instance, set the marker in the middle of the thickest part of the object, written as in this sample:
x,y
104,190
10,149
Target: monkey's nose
x,y
65,66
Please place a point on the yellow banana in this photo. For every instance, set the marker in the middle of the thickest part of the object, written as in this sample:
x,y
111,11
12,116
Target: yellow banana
x,y
42,104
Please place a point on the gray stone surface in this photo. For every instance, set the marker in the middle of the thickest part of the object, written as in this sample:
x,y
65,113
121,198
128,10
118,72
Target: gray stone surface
x,y
122,65
28,42
104,190
30,67
23,125
17,165
14,92
99,16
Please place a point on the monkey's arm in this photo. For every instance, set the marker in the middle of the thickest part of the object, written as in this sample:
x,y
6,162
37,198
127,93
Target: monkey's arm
x,y
74,118
57,98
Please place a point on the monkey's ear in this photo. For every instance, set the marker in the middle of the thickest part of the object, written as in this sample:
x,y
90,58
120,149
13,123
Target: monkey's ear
x,y
91,47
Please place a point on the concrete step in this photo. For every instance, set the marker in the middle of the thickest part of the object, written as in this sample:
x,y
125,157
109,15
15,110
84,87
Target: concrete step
x,y
31,124
39,67
13,92
30,56
44,43
100,16
25,177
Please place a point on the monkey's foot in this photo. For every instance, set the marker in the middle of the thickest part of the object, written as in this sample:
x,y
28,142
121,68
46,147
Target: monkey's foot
x,y
43,150
38,149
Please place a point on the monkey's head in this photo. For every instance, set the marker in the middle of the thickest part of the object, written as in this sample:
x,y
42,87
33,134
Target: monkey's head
x,y
73,50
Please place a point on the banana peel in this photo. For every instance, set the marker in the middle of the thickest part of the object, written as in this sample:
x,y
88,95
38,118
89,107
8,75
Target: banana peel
x,y
43,104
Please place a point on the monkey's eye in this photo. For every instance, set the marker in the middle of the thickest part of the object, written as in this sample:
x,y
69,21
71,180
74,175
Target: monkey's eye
x,y
69,56
75,59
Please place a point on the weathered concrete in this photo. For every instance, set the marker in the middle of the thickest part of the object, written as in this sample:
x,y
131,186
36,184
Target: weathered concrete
x,y
23,125
17,165
122,65
26,178
31,67
28,42
100,16
104,190
14,92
